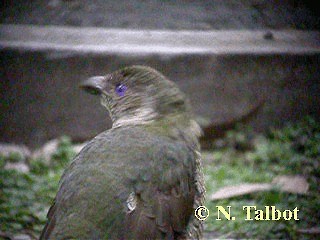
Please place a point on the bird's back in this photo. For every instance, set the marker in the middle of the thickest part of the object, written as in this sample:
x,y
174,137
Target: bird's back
x,y
126,183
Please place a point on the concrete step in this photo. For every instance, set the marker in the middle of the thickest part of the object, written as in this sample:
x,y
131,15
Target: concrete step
x,y
271,76
146,42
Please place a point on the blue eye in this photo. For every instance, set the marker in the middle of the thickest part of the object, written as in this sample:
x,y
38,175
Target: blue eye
x,y
121,89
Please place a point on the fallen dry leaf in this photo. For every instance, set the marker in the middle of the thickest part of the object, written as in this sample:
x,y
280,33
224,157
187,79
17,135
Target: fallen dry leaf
x,y
246,188
291,184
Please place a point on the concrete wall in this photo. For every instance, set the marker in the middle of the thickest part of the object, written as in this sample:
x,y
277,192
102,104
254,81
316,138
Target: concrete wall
x,y
40,98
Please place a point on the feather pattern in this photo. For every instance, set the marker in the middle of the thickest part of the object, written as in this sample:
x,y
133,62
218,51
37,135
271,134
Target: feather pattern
x,y
157,172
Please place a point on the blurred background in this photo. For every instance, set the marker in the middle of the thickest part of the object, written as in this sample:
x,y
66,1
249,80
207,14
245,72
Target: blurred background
x,y
250,68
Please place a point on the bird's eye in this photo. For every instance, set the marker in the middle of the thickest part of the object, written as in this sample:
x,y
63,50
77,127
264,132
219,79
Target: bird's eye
x,y
121,89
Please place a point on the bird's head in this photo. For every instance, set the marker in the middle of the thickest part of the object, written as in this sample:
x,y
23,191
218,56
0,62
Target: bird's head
x,y
138,94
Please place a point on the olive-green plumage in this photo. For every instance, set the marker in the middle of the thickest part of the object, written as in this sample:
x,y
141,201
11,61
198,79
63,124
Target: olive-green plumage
x,y
142,178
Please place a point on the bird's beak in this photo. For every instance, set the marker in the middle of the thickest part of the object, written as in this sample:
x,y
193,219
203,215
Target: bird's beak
x,y
94,85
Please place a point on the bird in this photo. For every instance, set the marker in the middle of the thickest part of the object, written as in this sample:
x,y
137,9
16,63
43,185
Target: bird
x,y
140,179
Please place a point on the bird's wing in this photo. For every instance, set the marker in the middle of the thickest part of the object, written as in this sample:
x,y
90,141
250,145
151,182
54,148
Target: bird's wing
x,y
195,227
164,200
